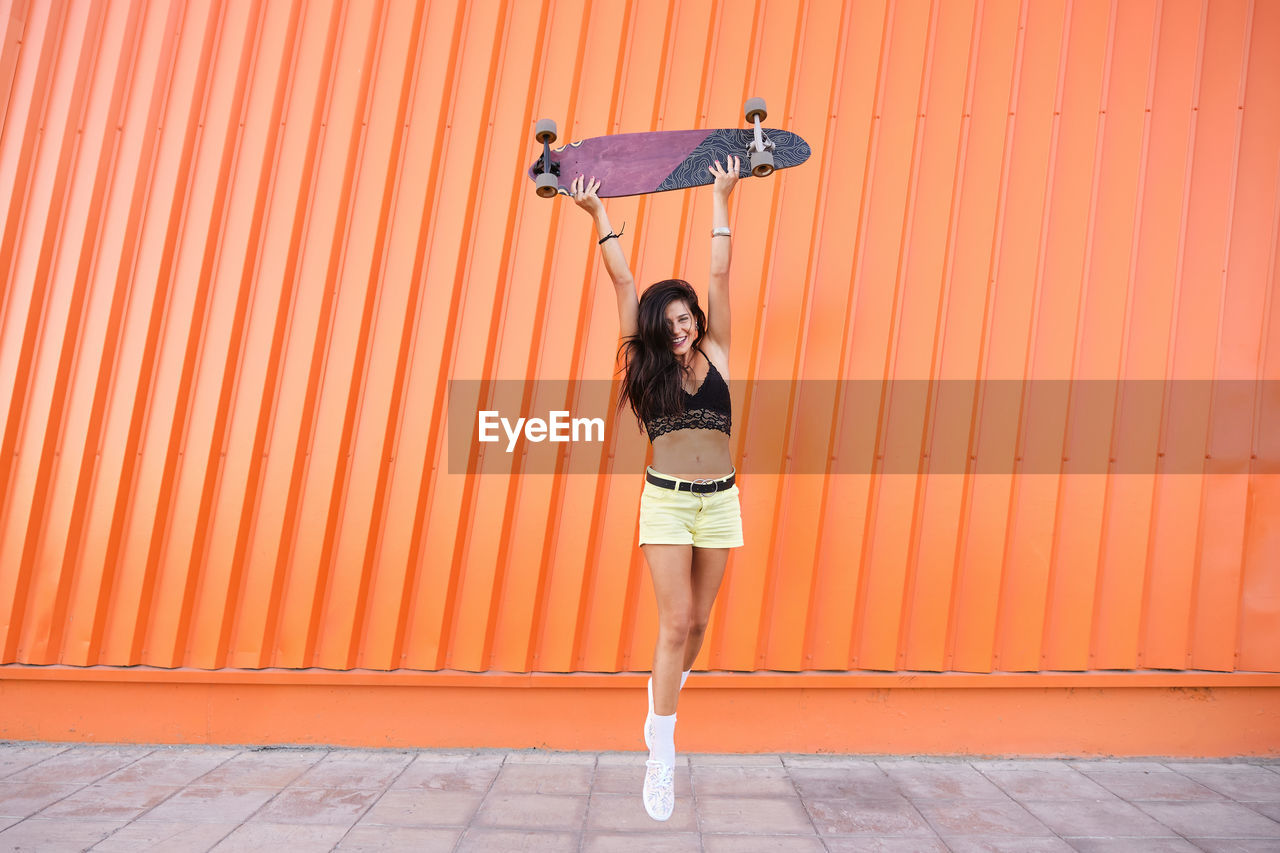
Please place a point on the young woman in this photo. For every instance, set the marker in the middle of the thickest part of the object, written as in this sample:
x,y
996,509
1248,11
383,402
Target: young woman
x,y
676,366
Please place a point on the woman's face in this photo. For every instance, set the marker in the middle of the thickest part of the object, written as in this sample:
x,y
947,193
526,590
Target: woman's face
x,y
681,327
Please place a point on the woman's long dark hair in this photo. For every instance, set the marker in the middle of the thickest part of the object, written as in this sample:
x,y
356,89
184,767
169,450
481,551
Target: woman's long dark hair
x,y
652,379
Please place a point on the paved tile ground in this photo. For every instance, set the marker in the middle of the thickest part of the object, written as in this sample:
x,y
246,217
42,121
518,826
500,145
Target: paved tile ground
x,y
56,797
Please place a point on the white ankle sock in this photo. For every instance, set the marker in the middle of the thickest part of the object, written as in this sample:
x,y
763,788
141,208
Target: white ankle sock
x,y
663,747
684,676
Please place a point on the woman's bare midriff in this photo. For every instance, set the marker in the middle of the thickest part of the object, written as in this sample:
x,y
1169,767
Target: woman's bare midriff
x,y
693,454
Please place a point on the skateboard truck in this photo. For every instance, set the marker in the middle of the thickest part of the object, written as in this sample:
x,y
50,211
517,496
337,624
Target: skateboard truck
x,y
548,181
761,147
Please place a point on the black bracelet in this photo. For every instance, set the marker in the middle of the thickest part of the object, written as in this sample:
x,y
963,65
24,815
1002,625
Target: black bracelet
x,y
600,242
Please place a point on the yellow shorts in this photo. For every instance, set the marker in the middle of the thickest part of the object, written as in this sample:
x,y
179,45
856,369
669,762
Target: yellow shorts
x,y
670,517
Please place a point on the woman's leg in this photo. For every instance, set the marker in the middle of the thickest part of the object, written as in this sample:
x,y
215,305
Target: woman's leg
x,y
708,571
670,567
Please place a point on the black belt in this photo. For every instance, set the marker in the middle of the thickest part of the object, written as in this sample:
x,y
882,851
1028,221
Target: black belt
x,y
699,487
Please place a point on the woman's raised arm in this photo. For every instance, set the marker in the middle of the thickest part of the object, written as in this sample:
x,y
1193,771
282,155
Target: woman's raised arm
x,y
718,287
584,195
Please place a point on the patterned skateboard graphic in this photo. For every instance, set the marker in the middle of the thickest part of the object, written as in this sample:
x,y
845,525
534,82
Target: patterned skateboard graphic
x,y
657,161
790,150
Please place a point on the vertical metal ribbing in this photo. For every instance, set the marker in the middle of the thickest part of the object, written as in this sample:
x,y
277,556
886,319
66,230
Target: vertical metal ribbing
x,y
61,544
413,587
110,473
15,578
274,652
233,292
237,595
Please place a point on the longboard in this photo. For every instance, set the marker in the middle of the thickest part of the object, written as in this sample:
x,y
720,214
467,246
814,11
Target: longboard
x,y
661,160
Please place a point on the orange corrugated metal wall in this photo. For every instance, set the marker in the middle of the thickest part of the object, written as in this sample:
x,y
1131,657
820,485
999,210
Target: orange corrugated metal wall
x,y
247,245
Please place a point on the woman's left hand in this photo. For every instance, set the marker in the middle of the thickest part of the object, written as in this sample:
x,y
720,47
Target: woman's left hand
x,y
726,176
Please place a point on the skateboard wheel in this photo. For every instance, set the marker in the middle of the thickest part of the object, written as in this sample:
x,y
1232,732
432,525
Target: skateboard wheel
x,y
754,107
761,163
545,131
548,185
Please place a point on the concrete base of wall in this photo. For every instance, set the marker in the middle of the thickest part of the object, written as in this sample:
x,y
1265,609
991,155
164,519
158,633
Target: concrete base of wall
x,y
1015,714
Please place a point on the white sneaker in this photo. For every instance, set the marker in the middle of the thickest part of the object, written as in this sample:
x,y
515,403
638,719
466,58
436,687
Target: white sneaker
x,y
659,789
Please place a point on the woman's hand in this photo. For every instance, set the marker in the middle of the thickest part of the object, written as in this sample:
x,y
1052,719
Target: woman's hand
x,y
584,195
726,176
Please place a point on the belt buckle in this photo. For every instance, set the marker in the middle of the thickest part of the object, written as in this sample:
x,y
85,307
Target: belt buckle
x,y
703,482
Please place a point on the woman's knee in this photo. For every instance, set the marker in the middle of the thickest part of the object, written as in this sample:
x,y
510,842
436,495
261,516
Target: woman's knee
x,y
675,627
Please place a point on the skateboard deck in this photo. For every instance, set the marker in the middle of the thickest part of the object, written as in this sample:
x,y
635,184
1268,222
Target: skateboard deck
x,y
660,160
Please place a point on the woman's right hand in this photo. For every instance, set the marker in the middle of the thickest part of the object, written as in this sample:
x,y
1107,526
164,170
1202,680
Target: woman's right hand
x,y
584,195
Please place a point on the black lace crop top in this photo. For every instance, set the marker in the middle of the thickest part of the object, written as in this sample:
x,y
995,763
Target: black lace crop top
x,y
709,408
